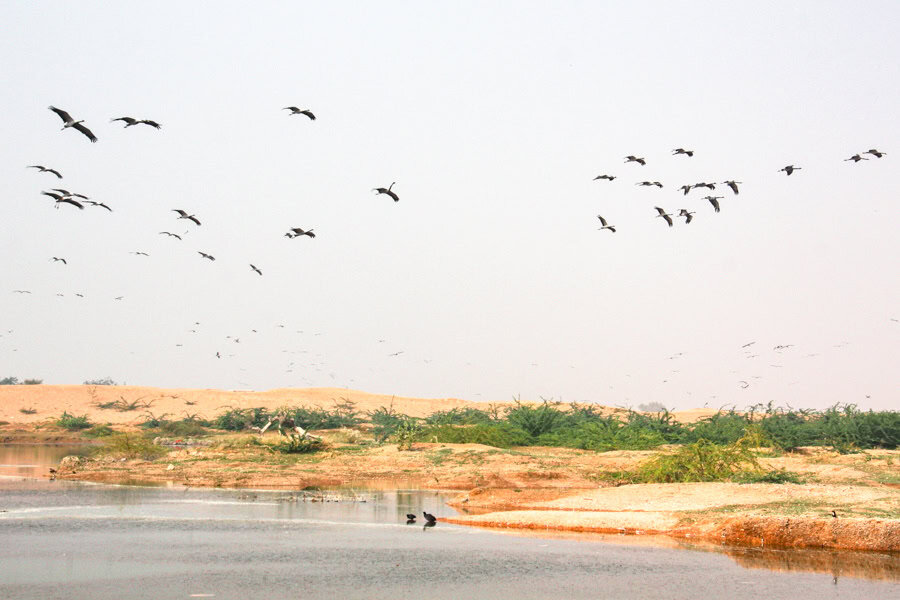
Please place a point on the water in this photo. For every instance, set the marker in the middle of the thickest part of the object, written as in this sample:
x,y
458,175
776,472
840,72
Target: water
x,y
76,540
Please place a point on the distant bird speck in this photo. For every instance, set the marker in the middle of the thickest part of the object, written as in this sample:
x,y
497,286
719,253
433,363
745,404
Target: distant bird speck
x,y
789,169
677,151
296,111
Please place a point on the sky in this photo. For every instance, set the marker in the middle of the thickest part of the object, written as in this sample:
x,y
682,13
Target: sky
x,y
490,278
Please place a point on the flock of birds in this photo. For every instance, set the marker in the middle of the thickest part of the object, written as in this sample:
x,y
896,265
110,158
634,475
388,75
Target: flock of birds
x,y
688,215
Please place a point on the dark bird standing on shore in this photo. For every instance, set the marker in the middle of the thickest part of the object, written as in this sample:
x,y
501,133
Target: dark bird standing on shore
x,y
68,121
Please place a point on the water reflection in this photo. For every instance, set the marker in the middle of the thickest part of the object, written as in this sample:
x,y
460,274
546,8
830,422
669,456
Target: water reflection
x,y
867,565
34,460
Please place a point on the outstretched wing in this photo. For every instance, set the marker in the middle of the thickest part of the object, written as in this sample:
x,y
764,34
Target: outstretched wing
x,y
602,220
66,117
129,120
80,127
153,124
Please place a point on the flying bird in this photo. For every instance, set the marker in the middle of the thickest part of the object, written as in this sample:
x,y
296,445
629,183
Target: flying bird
x,y
139,253
664,215
709,186
184,215
205,255
747,345
256,269
855,158
632,158
686,188
789,169
129,121
57,259
876,153
68,121
714,200
296,111
682,151
100,204
67,193
607,177
650,183
297,232
387,191
170,234
606,225
688,216
21,292
733,185
44,169
74,203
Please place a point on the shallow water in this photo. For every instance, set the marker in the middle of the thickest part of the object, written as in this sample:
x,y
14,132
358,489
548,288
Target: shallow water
x,y
77,540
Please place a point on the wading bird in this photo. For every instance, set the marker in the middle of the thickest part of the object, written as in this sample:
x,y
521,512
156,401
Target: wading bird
x,y
789,169
607,177
129,121
58,259
205,255
606,225
297,232
184,215
387,191
855,158
68,121
733,185
664,215
714,200
632,158
100,204
429,517
255,269
874,152
296,111
45,170
170,234
688,216
682,151
649,183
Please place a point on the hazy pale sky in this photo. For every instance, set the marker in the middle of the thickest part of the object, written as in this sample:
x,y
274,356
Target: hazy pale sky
x,y
490,277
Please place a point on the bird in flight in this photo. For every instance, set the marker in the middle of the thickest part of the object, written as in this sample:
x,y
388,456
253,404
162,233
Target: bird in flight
x,y
733,185
686,188
44,169
387,191
632,158
184,215
100,204
68,121
21,292
650,183
58,198
296,111
396,353
747,345
709,186
139,253
606,225
129,121
255,269
664,215
714,200
876,153
688,216
205,255
68,194
607,177
855,158
297,232
58,259
677,151
170,234
789,169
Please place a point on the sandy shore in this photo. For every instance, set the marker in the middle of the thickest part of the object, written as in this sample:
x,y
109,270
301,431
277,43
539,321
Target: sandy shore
x,y
535,488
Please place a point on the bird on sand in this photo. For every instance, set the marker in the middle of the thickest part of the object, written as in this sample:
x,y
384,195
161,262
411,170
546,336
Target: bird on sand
x,y
662,213
387,191
44,169
789,169
410,518
296,111
68,121
606,225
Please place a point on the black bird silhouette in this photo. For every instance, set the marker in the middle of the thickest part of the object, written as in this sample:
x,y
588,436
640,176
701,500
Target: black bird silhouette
x,y
139,253
664,215
68,121
714,200
733,185
57,259
68,193
170,234
855,158
296,111
45,170
834,514
205,255
789,169
184,215
387,191
410,517
297,232
682,151
632,158
606,225
874,152
607,177
255,268
686,188
74,203
100,204
688,216
429,517
129,121
709,186
650,183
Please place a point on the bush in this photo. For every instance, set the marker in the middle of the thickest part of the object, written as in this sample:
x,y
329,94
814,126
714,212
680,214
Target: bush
x,y
98,431
703,461
9,381
296,444
104,381
459,416
129,445
535,420
652,407
405,433
499,435
73,423
239,419
33,382
773,476
385,421
28,411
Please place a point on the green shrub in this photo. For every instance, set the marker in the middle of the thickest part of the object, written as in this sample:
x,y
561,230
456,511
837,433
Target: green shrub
x,y
239,419
28,411
499,435
9,381
535,420
72,422
98,431
771,476
104,381
385,421
702,461
296,444
33,382
405,433
129,445
459,416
